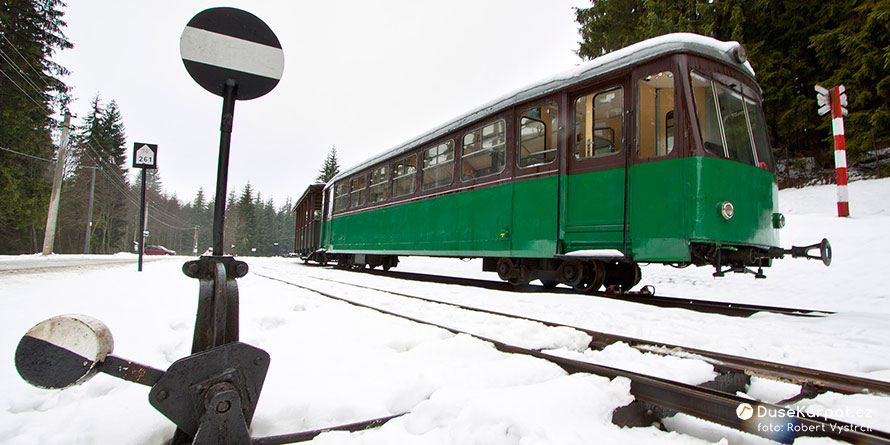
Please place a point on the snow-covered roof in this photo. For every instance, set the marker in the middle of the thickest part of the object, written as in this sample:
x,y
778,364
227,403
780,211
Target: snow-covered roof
x,y
633,54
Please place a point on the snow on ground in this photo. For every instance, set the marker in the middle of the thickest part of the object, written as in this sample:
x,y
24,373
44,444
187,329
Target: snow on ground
x,y
333,363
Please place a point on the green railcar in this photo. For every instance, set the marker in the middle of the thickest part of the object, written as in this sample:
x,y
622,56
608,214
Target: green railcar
x,y
656,153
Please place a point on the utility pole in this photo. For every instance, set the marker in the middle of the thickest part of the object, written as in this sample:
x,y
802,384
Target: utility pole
x,y
89,232
52,214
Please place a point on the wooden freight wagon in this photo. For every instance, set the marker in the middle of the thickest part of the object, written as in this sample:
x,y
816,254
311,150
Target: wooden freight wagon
x,y
308,221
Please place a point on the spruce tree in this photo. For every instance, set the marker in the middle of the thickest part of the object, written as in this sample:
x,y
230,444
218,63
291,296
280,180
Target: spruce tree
x,y
330,168
856,53
792,45
101,141
32,89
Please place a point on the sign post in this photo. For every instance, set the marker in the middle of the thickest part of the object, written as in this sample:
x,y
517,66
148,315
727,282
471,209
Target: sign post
x,y
211,395
145,156
835,101
233,54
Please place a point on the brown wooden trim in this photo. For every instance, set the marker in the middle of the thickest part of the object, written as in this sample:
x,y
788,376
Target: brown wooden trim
x,y
521,172
639,72
614,160
686,137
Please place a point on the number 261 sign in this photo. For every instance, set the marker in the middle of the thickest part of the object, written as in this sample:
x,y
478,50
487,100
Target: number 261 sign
x,y
145,155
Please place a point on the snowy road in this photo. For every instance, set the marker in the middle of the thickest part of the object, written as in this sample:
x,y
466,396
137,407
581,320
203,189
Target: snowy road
x,y
34,263
333,363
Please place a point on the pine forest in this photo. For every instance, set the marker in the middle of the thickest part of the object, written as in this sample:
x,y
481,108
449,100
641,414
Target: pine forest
x,y
792,44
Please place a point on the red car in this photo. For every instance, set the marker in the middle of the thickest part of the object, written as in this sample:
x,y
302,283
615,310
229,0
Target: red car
x,y
158,250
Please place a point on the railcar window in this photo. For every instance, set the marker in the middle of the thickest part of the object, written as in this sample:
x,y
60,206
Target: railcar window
x,y
341,196
761,138
599,123
735,125
403,176
377,189
708,119
357,195
438,166
655,101
538,135
484,151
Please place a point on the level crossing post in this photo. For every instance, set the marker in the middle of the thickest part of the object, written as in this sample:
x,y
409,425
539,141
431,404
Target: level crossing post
x,y
840,150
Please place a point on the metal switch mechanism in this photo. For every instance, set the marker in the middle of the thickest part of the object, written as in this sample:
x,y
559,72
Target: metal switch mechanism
x,y
212,394
222,385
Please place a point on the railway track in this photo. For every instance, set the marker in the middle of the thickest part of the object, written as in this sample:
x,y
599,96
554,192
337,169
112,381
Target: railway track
x,y
705,306
657,397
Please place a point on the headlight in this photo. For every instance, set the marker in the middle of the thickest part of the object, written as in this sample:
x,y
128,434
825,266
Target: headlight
x,y
778,220
739,53
727,210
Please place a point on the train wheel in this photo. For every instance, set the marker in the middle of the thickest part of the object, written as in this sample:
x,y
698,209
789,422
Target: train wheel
x,y
633,275
623,275
346,262
594,274
507,270
389,262
571,272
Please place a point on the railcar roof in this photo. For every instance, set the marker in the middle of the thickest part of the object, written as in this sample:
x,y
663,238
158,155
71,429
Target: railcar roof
x,y
633,54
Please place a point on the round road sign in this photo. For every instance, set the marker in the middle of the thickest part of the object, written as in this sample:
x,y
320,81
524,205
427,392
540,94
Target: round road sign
x,y
63,351
221,44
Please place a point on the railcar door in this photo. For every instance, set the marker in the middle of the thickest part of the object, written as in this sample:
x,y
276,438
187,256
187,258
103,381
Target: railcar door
x,y
535,178
592,209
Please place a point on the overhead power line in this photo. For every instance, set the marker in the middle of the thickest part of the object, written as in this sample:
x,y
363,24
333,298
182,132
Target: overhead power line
x,y
25,154
16,67
118,183
22,89
38,73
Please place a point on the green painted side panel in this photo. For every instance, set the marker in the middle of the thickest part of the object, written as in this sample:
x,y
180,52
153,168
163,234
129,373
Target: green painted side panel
x,y
752,191
658,210
535,210
672,203
481,222
677,201
594,211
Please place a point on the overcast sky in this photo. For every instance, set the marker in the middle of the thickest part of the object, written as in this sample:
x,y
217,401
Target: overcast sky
x,y
361,75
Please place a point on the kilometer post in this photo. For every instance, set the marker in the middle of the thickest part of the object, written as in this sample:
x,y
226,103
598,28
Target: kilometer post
x,y
145,156
142,220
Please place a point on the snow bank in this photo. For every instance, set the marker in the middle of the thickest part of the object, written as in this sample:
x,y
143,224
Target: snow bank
x,y
333,363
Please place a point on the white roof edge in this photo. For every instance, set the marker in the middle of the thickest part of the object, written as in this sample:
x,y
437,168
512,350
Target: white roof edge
x,y
641,51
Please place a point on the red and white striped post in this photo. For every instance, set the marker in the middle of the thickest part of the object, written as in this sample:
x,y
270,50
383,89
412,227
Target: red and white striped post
x,y
840,150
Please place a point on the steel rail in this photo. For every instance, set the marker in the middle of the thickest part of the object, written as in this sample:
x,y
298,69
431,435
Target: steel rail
x,y
813,381
720,307
705,306
309,435
704,403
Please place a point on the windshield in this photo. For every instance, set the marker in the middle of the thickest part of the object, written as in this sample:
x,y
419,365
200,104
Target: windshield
x,y
731,125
